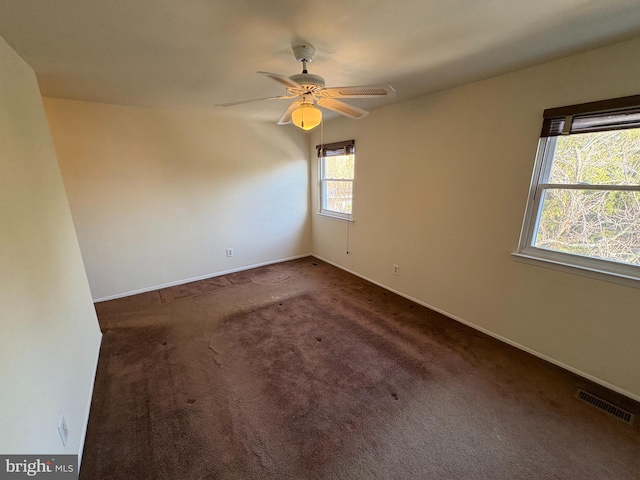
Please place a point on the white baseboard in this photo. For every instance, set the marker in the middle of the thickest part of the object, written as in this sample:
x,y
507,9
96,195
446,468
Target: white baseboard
x,y
492,334
195,279
83,435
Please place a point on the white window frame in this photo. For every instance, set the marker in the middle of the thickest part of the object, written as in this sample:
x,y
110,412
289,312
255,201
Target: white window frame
x,y
539,185
322,181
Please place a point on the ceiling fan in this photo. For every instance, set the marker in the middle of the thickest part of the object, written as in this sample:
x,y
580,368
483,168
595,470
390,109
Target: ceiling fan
x,y
309,89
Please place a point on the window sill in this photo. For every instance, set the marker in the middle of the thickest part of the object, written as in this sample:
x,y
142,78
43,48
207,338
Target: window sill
x,y
343,218
581,270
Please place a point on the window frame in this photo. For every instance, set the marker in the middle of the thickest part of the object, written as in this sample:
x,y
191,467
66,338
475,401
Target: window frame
x,y
560,121
343,148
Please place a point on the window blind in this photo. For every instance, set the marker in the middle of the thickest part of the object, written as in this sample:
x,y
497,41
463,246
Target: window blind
x,y
614,114
346,147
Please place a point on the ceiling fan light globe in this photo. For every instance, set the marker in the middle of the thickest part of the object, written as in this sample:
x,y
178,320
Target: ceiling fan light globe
x,y
306,116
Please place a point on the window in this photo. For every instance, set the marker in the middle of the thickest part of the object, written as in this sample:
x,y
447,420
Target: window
x,y
337,169
584,203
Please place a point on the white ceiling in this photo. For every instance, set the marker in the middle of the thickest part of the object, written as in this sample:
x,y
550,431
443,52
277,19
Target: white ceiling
x,y
198,53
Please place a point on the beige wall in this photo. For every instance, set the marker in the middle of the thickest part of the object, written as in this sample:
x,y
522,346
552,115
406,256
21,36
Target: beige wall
x,y
49,335
441,187
158,195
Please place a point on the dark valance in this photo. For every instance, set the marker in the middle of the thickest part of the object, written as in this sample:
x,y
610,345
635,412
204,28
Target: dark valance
x,y
614,114
346,147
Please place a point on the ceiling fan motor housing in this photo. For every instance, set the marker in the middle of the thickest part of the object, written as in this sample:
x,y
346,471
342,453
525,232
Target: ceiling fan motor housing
x,y
309,81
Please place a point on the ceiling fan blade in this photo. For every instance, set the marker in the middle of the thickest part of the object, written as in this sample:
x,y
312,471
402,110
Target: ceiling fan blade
x,y
363,91
286,116
240,102
286,81
342,108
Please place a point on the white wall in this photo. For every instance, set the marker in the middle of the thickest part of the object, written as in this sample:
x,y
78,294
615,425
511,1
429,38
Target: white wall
x,y
158,195
49,335
441,187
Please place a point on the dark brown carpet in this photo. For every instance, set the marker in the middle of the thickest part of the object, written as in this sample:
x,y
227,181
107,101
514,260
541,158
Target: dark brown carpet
x,y
302,371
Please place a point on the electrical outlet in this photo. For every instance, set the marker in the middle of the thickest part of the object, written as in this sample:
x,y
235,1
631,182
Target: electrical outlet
x,y
64,431
396,269
229,252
